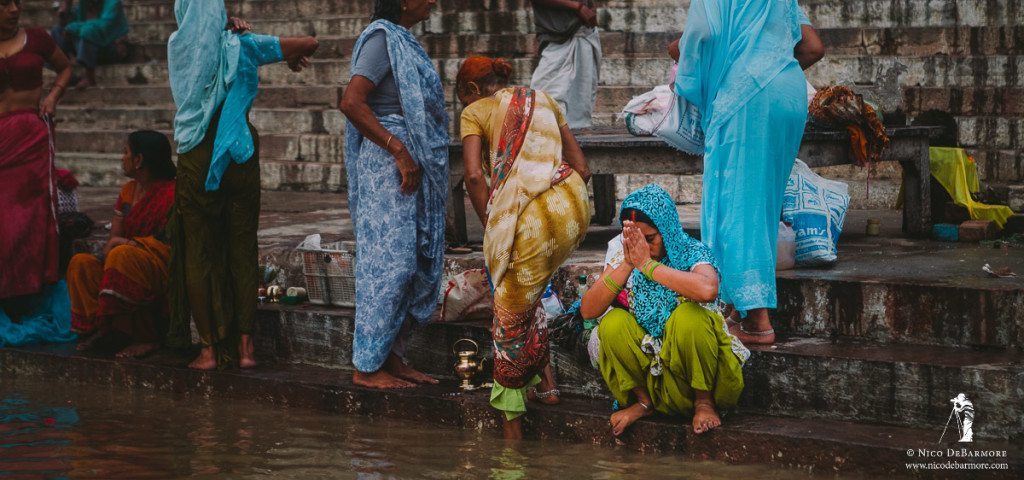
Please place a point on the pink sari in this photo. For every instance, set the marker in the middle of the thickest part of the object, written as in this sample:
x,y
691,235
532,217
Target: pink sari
x,y
28,205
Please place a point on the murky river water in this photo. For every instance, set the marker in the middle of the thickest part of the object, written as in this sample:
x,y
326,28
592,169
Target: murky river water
x,y
49,431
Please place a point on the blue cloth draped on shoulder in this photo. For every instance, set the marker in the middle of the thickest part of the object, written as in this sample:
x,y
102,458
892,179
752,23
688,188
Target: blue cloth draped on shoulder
x,y
736,64
653,303
212,68
110,25
400,238
44,317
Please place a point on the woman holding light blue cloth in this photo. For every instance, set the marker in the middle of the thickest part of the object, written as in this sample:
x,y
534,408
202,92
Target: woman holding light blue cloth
x,y
213,65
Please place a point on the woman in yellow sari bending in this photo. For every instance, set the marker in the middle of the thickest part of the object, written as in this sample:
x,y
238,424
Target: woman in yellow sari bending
x,y
526,177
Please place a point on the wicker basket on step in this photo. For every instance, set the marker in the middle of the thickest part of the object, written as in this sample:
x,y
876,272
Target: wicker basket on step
x,y
330,273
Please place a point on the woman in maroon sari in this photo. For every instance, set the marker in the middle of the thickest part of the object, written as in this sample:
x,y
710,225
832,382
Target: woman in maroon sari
x,y
122,295
28,223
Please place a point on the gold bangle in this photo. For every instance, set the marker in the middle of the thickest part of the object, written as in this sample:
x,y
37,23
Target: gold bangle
x,y
387,144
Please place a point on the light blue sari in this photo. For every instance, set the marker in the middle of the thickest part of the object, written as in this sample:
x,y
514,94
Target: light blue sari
x,y
399,237
212,68
736,64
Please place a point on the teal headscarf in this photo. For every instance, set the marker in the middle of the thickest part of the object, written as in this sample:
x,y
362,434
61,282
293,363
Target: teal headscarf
x,y
209,67
651,302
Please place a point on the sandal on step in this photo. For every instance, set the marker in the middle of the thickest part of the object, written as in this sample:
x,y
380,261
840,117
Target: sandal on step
x,y
549,397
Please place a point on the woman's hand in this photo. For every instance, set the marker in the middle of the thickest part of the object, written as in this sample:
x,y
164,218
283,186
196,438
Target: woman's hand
x,y
296,64
48,107
407,167
637,251
587,14
297,50
238,25
114,242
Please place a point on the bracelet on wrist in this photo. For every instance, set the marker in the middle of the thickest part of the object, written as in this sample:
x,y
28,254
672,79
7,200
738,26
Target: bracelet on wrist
x,y
611,285
649,267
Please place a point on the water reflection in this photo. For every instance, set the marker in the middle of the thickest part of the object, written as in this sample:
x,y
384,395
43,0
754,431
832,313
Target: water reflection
x,y
77,432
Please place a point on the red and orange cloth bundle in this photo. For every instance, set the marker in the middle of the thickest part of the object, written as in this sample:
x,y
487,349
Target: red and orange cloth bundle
x,y
838,106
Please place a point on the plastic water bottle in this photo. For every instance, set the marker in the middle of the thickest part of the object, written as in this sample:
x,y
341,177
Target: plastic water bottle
x,y
581,288
552,305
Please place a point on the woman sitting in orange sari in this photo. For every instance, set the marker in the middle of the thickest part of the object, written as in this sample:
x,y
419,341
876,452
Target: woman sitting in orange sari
x,y
121,296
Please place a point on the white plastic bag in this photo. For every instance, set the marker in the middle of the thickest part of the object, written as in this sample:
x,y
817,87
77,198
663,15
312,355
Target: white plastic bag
x,y
785,249
646,111
681,127
816,207
466,296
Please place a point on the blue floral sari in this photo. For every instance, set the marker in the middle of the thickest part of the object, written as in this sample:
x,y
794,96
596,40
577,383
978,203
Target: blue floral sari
x,y
399,237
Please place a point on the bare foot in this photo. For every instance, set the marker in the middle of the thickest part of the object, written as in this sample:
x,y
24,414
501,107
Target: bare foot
x,y
379,379
748,337
397,368
137,350
622,419
705,417
546,397
546,392
513,429
246,352
205,361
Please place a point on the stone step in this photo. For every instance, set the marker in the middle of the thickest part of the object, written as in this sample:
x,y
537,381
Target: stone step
x,y
621,15
610,98
104,170
965,101
902,42
803,445
886,291
1004,133
514,45
912,13
937,71
324,148
803,377
278,120
1000,166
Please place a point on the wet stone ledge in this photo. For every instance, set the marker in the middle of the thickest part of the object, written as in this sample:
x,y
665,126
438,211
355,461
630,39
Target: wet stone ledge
x,y
807,445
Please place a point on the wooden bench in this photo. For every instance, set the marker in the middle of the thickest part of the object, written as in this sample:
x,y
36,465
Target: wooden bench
x,y
609,154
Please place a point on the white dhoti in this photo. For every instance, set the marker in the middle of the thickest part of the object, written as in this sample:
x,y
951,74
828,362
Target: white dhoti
x,y
569,72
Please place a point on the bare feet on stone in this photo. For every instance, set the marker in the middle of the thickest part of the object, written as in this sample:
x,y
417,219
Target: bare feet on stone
x,y
756,329
397,368
246,352
705,417
513,429
137,350
379,379
752,337
622,419
205,361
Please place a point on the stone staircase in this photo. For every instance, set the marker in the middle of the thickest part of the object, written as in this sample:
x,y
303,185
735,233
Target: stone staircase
x,y
963,57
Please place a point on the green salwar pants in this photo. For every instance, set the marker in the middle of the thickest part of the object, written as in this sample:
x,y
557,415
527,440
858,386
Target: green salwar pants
x,y
696,354
214,254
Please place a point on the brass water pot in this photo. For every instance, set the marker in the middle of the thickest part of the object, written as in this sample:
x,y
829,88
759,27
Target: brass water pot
x,y
469,363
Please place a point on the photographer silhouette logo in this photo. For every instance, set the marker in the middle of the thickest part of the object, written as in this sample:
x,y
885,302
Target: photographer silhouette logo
x,y
963,411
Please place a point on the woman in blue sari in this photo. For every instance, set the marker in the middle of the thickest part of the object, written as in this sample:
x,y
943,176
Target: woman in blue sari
x,y
396,158
740,63
213,63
